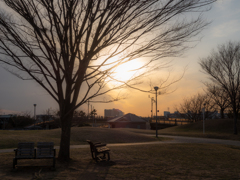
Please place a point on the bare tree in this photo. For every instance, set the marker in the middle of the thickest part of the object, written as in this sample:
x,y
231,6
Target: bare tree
x,y
72,47
223,68
219,96
191,107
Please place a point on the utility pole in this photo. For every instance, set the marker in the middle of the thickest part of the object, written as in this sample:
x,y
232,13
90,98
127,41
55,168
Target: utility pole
x,y
88,109
156,88
203,111
92,117
152,101
34,113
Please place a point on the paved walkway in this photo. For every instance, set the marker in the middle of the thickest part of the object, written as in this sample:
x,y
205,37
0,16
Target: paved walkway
x,y
175,139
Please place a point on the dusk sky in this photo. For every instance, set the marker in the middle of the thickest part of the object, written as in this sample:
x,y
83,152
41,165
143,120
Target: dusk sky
x,y
18,96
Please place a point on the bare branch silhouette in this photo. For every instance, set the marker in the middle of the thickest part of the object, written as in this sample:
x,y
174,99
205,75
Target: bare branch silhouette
x,y
223,69
73,47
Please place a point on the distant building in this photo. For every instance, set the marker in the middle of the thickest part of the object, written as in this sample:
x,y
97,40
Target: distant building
x,y
129,121
166,113
192,116
112,113
44,118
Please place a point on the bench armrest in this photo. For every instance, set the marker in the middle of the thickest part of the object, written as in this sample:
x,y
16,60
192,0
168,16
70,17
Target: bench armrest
x,y
100,145
97,143
15,152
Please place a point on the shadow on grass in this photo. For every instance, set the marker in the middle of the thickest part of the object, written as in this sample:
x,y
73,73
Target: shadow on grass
x,y
76,169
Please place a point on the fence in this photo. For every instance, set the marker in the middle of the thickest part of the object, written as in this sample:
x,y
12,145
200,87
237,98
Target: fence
x,y
172,121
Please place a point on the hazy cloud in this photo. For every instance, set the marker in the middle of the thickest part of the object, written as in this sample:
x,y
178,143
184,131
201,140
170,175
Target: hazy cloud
x,y
226,29
221,4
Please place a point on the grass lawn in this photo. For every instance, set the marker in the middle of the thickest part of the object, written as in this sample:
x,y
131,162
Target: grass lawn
x,y
155,161
165,161
214,128
79,135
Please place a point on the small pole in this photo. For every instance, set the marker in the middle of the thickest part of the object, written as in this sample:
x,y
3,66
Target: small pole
x,y
88,109
152,100
156,88
34,113
92,117
203,110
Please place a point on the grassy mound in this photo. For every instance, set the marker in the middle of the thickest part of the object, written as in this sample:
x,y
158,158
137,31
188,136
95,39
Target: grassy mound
x,y
79,135
214,128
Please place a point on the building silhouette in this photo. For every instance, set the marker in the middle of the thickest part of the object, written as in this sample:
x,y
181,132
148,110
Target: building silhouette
x,y
112,113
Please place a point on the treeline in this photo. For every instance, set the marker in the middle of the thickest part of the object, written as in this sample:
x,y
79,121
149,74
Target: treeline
x,y
222,90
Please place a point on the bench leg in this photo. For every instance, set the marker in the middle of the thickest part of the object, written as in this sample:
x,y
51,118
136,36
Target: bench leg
x,y
108,156
14,162
94,157
54,162
103,157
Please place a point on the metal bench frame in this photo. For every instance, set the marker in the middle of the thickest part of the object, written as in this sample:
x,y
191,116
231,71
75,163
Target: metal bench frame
x,y
24,151
45,150
97,149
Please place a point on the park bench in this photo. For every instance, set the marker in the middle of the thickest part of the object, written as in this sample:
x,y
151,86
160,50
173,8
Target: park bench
x,y
45,150
97,149
24,151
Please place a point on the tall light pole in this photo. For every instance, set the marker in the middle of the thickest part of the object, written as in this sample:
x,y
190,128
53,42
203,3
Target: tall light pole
x,y
152,101
156,88
203,111
34,113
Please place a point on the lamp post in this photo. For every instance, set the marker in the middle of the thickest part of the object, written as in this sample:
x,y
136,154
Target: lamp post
x,y
156,88
34,113
203,110
152,101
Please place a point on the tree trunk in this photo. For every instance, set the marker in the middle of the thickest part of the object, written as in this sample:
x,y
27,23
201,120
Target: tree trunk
x,y
64,152
235,115
222,113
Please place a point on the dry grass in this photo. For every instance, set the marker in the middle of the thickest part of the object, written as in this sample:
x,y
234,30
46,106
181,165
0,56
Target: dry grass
x,y
79,135
165,161
156,161
214,128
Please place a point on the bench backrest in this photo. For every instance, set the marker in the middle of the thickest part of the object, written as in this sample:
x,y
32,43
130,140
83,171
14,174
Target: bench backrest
x,y
91,144
45,149
25,150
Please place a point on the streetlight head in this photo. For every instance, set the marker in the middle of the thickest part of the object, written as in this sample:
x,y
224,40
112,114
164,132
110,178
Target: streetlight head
x,y
156,88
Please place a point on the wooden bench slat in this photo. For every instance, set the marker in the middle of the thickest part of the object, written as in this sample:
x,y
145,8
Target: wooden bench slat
x,y
45,150
98,148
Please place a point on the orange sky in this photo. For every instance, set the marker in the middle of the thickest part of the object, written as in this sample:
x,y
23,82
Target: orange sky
x,y
19,96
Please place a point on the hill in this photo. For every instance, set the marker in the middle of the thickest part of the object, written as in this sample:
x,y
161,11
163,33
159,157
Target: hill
x,y
79,135
214,128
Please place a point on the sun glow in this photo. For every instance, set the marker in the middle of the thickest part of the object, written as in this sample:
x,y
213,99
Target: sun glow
x,y
127,71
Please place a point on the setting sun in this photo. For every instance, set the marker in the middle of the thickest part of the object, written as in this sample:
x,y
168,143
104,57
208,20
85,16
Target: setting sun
x,y
128,70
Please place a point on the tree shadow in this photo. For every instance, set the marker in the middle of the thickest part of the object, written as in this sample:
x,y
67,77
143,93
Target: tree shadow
x,y
84,168
96,170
